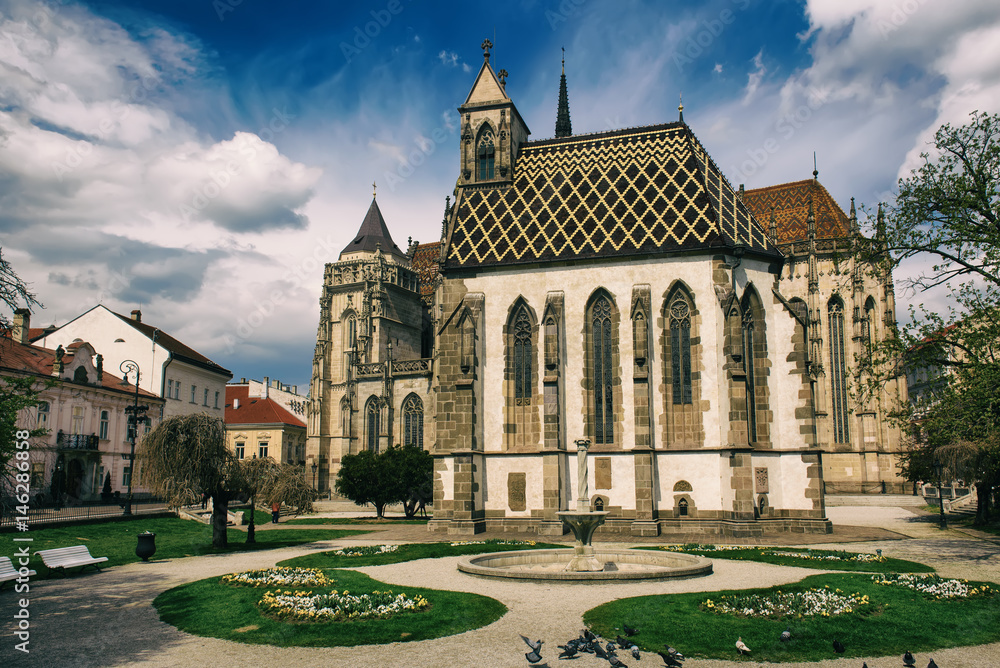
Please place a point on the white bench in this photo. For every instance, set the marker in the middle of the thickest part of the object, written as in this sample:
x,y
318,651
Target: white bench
x,y
67,557
8,572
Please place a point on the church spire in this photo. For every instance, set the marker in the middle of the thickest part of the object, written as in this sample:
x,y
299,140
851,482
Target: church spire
x,y
563,126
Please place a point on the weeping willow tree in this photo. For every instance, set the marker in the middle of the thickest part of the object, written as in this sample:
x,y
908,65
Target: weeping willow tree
x,y
257,476
187,455
290,488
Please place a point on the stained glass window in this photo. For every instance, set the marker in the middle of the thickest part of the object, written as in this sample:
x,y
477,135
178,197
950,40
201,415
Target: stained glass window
x,y
601,334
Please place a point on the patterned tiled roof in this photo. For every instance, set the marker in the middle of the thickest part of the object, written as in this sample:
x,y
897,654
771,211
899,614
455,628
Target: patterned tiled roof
x,y
791,209
638,191
427,262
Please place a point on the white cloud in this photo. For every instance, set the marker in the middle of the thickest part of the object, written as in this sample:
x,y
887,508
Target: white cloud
x,y
753,78
448,58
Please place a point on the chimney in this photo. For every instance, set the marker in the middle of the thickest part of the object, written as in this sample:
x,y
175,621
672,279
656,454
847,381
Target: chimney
x,y
236,404
295,389
243,381
22,323
137,315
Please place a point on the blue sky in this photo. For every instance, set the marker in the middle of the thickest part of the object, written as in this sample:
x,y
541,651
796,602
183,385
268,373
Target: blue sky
x,y
204,158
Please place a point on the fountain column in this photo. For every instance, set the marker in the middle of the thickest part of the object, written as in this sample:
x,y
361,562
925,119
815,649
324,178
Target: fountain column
x,y
583,521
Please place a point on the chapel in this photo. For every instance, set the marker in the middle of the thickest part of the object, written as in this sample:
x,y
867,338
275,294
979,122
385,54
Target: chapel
x,y
611,291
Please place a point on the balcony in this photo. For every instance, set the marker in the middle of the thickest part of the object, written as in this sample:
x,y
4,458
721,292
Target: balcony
x,y
76,441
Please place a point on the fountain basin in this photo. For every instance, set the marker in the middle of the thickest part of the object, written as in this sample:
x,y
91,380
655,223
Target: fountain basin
x,y
619,565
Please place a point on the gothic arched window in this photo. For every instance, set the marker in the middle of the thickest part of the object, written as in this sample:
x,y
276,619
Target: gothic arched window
x,y
522,357
373,423
602,338
838,371
748,364
869,325
413,421
679,317
485,154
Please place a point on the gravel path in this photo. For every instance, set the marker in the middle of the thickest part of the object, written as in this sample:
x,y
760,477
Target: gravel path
x,y
105,619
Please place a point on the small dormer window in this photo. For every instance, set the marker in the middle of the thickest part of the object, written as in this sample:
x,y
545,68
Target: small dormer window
x,y
486,152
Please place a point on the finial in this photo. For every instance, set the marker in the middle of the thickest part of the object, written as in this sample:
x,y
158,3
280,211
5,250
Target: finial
x,y
815,170
502,74
374,187
564,60
486,46
680,107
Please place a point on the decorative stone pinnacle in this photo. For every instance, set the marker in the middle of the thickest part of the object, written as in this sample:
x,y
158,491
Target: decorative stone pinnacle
x,y
503,77
486,46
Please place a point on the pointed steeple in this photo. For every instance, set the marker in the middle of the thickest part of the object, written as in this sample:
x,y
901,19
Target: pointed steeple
x,y
372,235
563,126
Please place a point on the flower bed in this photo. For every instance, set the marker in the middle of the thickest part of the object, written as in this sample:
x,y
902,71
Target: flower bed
x,y
824,602
934,585
279,577
365,550
492,541
338,606
819,555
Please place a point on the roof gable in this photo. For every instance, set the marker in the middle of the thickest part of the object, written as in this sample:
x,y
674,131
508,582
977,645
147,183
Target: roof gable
x,y
638,191
487,87
790,202
256,410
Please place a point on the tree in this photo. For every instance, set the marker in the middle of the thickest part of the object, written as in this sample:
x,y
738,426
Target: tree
x,y
380,479
13,291
257,475
949,210
186,455
18,394
289,487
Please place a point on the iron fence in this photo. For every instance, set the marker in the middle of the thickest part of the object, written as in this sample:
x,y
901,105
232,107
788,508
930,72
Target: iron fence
x,y
49,513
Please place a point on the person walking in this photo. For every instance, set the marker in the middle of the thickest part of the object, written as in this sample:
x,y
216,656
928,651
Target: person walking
x,y
275,511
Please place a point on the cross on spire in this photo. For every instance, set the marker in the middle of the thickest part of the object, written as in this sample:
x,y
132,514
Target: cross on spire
x,y
503,77
373,189
486,46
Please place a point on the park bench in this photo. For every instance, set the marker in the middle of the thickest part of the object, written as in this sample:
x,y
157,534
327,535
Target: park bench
x,y
67,557
8,572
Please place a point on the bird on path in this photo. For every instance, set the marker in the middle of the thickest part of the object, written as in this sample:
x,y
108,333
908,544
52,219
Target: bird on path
x,y
623,642
635,653
908,659
864,665
568,651
629,631
611,647
599,651
741,646
838,647
786,635
932,664
588,634
536,645
533,656
673,652
669,660
615,661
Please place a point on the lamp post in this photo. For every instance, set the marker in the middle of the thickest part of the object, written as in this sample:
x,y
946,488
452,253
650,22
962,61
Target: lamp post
x,y
939,468
136,415
314,467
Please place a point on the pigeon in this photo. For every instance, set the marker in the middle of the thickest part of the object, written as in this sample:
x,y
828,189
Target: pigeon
x,y
786,635
635,653
629,631
864,665
533,656
669,660
838,647
932,664
908,659
741,646
568,651
536,645
599,651
673,652
615,661
623,642
588,634
611,647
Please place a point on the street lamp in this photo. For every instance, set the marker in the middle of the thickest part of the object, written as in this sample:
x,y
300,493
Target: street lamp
x,y
136,416
314,467
939,468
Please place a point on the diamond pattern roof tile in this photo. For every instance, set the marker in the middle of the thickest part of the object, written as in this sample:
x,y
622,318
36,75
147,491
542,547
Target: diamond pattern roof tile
x,y
630,192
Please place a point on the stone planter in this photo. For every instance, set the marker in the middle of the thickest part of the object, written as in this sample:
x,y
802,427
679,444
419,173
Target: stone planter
x,y
146,546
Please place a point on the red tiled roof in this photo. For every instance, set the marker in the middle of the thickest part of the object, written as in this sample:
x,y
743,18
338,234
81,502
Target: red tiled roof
x,y
427,263
791,209
29,359
254,410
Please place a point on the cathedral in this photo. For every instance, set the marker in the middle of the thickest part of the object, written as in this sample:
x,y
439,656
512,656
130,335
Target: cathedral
x,y
611,291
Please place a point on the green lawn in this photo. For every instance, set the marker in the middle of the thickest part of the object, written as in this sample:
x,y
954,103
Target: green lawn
x,y
760,554
407,552
898,619
174,538
356,520
211,608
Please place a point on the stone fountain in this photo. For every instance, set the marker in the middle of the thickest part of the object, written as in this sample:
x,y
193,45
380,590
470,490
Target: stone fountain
x,y
583,521
583,563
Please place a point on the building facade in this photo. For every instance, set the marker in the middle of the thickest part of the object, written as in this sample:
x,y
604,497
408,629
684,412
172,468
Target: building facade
x,y
83,411
608,289
186,379
259,424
